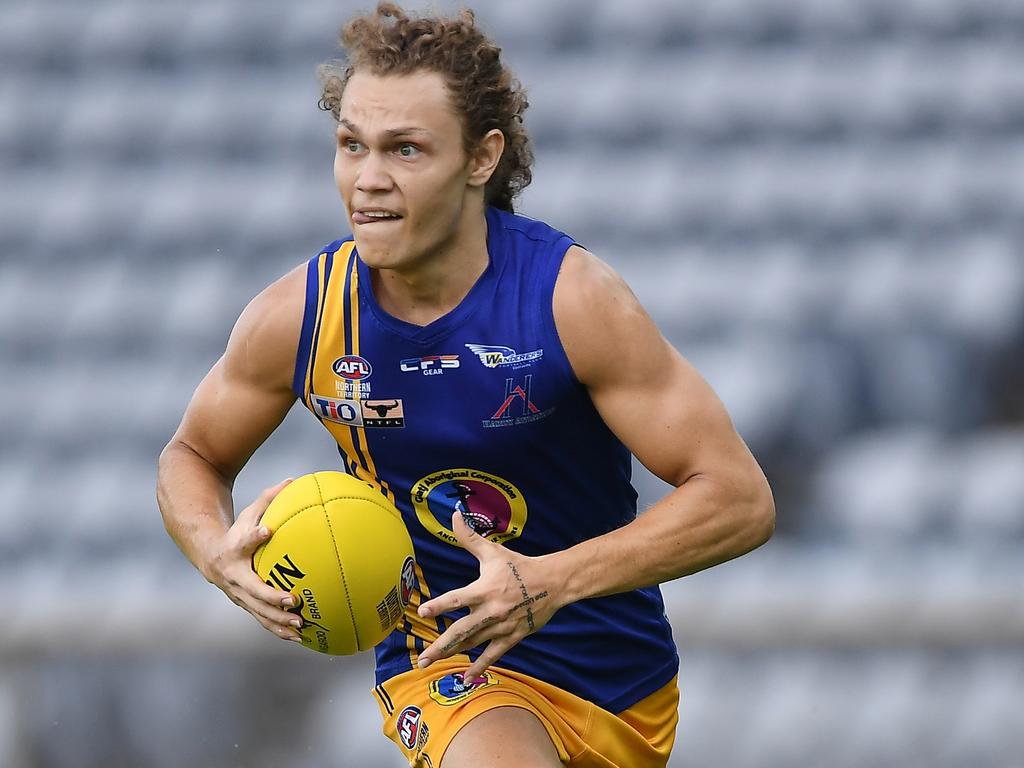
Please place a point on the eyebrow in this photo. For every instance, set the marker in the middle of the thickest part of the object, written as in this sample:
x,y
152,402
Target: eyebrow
x,y
390,133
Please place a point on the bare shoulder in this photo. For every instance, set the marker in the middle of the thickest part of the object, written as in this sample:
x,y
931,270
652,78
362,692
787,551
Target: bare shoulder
x,y
600,319
264,340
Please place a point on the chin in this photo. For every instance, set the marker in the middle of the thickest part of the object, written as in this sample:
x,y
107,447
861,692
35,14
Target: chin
x,y
377,255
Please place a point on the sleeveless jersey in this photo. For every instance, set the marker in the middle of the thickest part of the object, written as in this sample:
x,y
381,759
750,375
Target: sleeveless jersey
x,y
479,413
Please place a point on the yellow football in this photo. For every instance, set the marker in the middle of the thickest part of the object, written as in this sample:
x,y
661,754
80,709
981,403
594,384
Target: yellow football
x,y
341,548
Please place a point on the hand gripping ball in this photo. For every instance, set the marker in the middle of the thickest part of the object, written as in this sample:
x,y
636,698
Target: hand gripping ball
x,y
341,548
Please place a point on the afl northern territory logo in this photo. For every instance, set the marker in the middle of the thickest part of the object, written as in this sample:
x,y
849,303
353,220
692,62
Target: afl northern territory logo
x,y
491,505
352,368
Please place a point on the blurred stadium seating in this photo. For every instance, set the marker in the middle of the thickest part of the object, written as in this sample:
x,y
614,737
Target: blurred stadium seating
x,y
821,203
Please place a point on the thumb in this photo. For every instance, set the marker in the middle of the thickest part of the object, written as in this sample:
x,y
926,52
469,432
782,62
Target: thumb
x,y
473,542
251,515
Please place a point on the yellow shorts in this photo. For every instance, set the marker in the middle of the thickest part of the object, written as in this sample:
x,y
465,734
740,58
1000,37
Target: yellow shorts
x,y
423,709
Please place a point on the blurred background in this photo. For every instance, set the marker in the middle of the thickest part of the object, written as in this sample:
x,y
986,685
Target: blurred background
x,y
820,201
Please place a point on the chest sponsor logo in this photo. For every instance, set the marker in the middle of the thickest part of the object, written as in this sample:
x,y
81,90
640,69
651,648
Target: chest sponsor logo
x,y
491,505
339,411
451,689
432,365
410,727
352,368
372,414
495,356
517,407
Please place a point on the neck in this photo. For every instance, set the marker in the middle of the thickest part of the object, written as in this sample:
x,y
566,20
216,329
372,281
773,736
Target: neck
x,y
432,287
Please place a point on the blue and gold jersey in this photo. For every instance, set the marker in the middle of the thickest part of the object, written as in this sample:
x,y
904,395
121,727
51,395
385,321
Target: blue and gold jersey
x,y
479,412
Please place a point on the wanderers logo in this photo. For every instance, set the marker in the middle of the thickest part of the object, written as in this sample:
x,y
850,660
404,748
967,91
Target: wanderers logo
x,y
494,355
492,506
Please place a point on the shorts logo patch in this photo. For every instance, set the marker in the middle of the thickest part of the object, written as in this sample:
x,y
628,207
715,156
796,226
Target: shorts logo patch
x,y
489,504
451,689
410,725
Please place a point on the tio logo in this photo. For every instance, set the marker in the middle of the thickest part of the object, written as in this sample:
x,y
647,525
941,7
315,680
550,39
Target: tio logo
x,y
336,410
352,368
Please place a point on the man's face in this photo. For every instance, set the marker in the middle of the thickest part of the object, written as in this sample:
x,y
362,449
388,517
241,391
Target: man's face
x,y
400,166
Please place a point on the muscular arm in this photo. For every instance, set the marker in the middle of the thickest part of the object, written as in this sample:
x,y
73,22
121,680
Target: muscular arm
x,y
672,421
661,408
243,398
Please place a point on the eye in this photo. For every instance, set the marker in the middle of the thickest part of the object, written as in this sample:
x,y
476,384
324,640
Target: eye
x,y
351,145
408,150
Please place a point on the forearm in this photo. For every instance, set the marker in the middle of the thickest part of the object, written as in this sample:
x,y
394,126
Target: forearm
x,y
700,524
195,501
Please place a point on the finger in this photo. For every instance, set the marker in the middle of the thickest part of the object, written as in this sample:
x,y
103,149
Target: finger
x,y
494,651
252,513
464,633
248,582
449,601
270,613
252,538
285,633
472,541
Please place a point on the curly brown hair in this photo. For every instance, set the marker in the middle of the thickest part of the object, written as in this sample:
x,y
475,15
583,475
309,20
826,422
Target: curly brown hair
x,y
486,95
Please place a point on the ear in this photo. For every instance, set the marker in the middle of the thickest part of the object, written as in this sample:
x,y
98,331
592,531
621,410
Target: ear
x,y
484,159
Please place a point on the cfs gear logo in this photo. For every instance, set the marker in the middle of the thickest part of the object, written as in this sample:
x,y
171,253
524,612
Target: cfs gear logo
x,y
490,505
451,689
432,365
412,731
518,406
339,411
383,413
496,355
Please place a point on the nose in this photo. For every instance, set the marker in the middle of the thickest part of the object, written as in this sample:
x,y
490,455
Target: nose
x,y
373,175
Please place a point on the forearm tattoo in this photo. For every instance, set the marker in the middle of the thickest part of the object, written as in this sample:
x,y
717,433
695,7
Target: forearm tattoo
x,y
528,600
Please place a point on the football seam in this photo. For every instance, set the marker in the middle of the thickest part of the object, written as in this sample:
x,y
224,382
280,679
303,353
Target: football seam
x,y
295,513
341,568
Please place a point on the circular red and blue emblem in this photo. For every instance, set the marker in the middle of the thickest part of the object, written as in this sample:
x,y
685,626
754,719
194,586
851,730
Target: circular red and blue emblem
x,y
408,580
408,725
489,504
352,368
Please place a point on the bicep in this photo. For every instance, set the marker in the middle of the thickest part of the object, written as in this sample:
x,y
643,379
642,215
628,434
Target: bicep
x,y
669,417
247,393
230,416
651,397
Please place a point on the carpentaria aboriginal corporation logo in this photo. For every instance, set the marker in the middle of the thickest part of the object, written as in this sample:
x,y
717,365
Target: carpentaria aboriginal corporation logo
x,y
491,505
